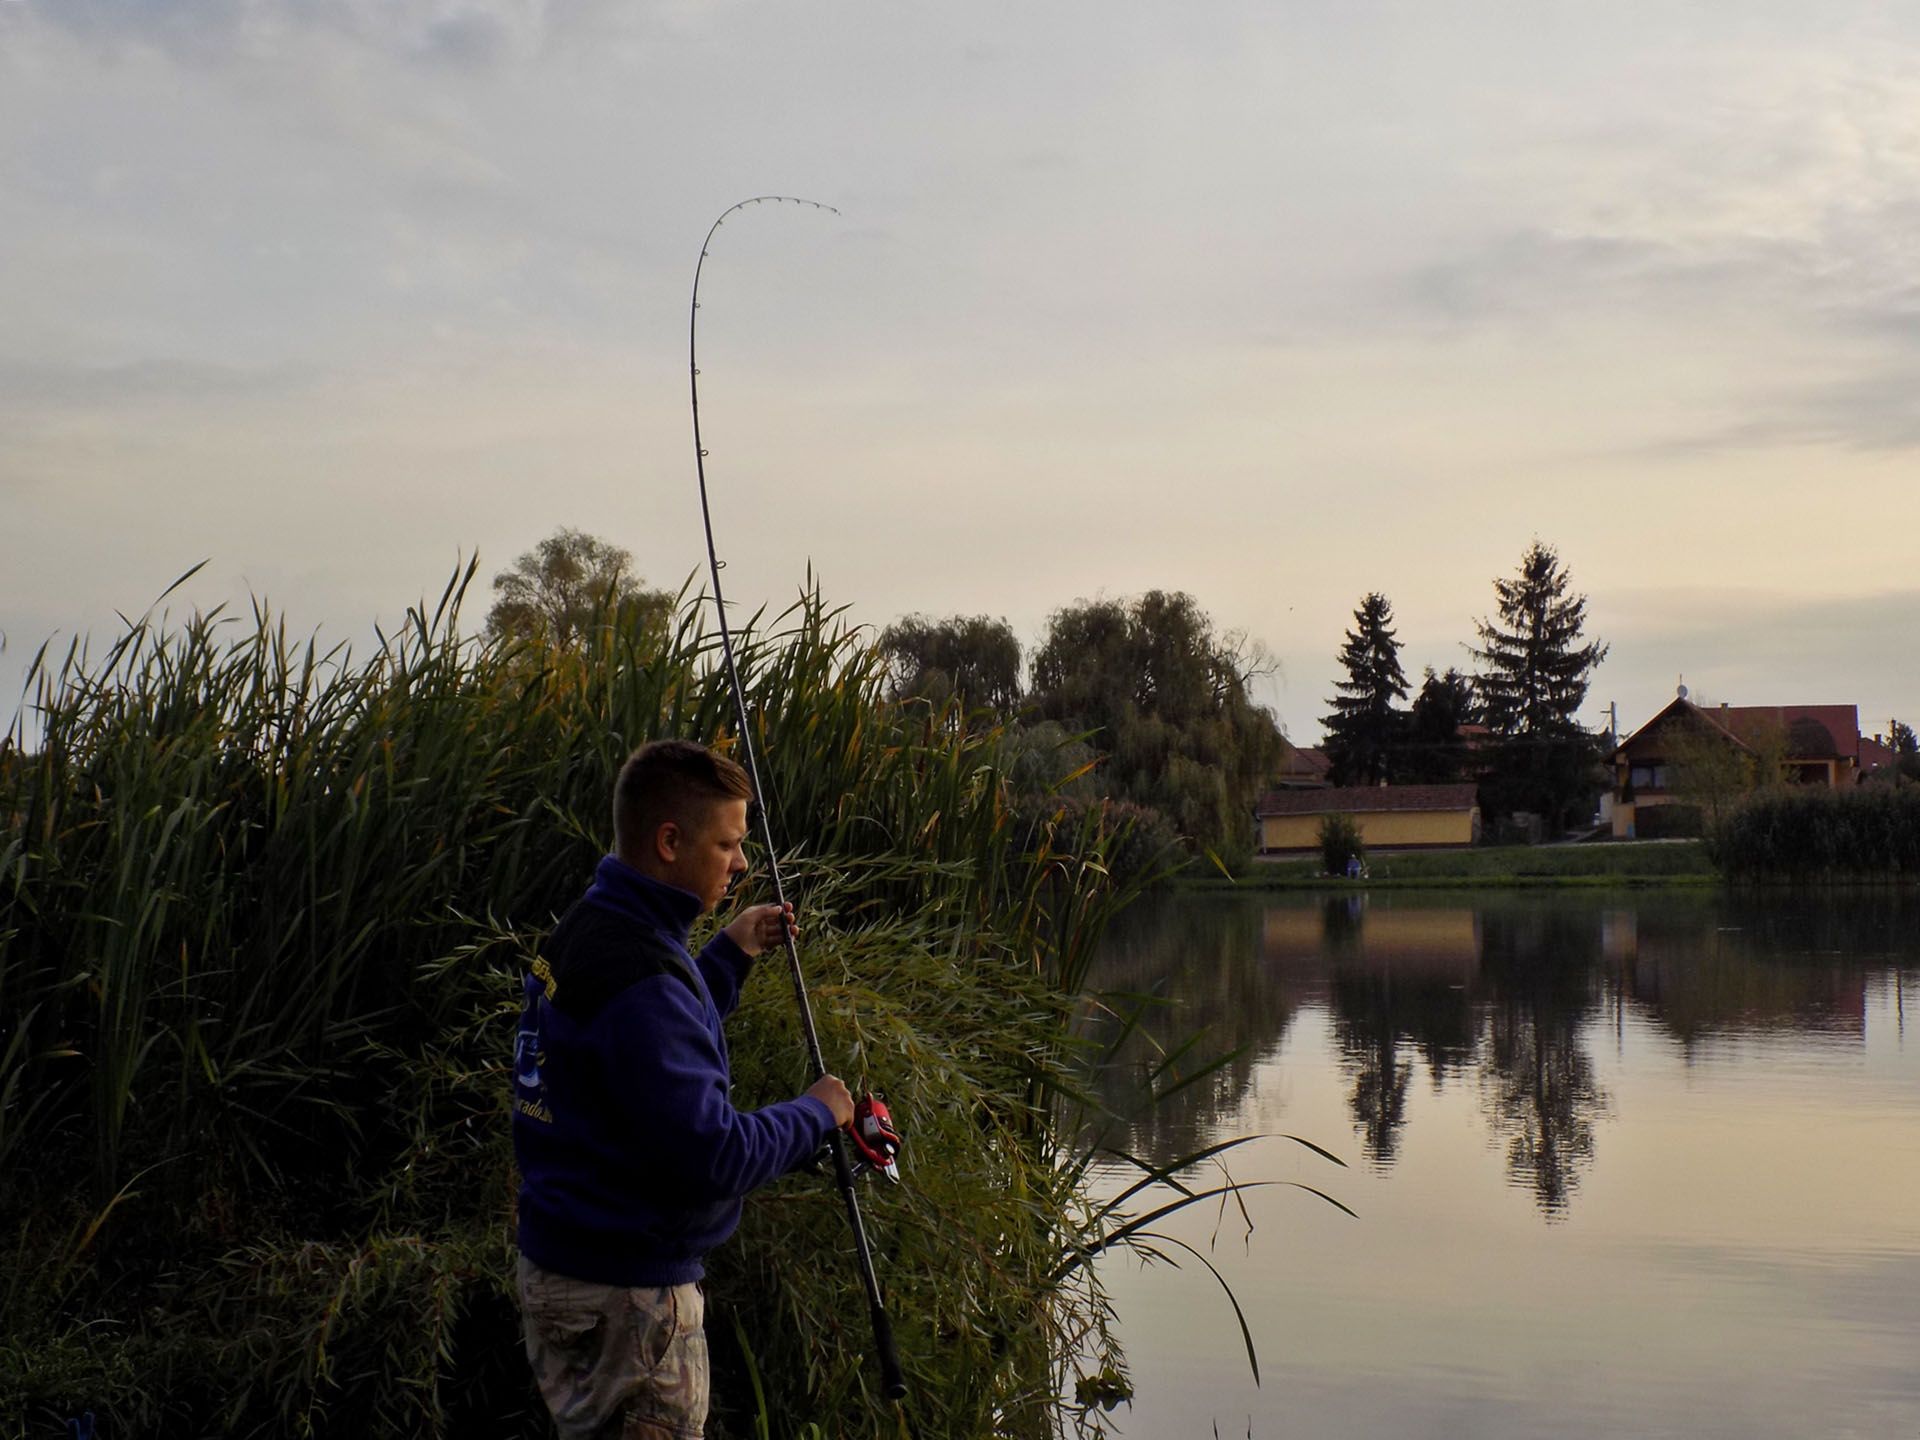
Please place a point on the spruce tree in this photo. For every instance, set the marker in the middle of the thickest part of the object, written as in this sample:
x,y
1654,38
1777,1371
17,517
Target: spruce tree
x,y
1534,673
1365,724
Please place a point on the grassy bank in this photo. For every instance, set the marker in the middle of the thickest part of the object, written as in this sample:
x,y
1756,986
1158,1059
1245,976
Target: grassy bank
x,y
263,910
1506,866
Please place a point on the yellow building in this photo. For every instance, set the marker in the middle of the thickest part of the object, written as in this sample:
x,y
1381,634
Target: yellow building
x,y
1390,817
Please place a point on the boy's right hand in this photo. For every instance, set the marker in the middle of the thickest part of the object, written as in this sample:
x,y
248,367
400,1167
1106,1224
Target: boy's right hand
x,y
829,1091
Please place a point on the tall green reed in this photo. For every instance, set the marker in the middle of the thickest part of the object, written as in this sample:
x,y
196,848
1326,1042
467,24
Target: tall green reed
x,y
1808,833
262,907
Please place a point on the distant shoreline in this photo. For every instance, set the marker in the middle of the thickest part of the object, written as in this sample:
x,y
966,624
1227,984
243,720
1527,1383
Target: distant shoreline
x,y
1602,865
1615,864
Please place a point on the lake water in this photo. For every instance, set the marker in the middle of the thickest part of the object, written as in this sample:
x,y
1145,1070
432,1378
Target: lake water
x,y
1641,1164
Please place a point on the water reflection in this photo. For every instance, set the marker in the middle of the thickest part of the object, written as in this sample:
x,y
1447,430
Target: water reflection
x,y
1629,1163
1756,969
1194,979
1540,976
1399,983
1499,992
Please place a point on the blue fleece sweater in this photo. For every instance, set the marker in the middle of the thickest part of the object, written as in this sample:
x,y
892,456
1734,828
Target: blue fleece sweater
x,y
633,1160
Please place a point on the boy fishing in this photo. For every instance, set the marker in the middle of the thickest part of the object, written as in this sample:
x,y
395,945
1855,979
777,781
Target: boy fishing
x,y
633,1160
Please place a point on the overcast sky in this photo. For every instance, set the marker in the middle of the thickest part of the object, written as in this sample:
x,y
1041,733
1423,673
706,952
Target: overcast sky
x,y
1276,303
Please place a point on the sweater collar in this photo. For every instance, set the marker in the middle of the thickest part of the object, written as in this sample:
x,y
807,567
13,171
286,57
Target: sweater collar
x,y
619,887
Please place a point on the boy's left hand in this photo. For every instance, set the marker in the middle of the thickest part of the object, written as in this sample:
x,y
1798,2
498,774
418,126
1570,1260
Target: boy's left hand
x,y
760,928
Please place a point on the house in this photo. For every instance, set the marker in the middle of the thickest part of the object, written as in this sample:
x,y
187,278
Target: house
x,y
1302,769
1876,755
1389,817
1809,744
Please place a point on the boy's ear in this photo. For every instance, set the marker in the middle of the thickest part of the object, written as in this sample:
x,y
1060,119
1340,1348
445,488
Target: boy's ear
x,y
667,839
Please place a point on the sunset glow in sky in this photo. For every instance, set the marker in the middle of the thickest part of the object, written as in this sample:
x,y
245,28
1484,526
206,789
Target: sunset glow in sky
x,y
1274,303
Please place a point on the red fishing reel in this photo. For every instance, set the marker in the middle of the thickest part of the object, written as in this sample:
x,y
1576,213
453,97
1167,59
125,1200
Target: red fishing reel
x,y
875,1141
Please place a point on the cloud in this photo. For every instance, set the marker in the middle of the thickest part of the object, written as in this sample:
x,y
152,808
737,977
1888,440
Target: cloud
x,y
455,33
1760,647
35,386
1533,275
1875,411
1759,239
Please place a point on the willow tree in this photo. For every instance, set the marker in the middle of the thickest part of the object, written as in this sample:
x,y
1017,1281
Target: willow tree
x,y
1168,701
974,659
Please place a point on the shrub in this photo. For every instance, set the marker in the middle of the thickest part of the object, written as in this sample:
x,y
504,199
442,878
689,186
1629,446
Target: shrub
x,y
1668,822
1340,843
1138,845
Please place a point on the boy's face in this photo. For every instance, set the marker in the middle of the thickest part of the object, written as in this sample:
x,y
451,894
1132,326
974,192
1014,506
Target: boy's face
x,y
707,854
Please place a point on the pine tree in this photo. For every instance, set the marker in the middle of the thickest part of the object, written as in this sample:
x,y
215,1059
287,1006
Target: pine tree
x,y
1365,724
1532,682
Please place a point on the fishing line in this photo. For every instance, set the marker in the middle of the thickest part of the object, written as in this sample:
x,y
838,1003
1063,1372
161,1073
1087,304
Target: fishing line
x,y
892,1382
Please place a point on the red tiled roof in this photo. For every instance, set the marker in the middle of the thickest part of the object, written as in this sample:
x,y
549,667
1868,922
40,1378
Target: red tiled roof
x,y
1370,798
1813,732
1810,732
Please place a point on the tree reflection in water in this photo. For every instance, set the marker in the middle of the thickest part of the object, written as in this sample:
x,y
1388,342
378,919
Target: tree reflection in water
x,y
1503,990
1184,980
1403,983
1541,969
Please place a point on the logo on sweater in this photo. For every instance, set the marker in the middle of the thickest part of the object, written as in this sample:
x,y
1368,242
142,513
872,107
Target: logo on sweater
x,y
528,1053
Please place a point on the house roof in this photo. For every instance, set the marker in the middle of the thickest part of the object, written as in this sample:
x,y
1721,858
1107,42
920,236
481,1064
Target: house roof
x,y
1814,732
1875,753
1368,798
1303,767
1810,732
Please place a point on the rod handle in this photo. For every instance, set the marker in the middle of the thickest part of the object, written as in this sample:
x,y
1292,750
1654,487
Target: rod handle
x,y
893,1384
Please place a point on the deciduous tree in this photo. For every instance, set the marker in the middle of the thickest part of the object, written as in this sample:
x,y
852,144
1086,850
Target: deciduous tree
x,y
972,658
1906,753
1708,770
553,591
1169,702
1434,752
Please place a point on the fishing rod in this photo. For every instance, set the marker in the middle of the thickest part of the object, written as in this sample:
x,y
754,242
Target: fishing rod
x,y
892,1383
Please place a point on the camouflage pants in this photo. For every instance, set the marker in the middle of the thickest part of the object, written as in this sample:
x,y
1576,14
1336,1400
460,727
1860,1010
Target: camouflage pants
x,y
615,1363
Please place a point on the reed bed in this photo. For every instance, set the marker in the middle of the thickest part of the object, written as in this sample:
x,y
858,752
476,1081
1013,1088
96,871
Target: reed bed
x,y
263,908
1804,833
